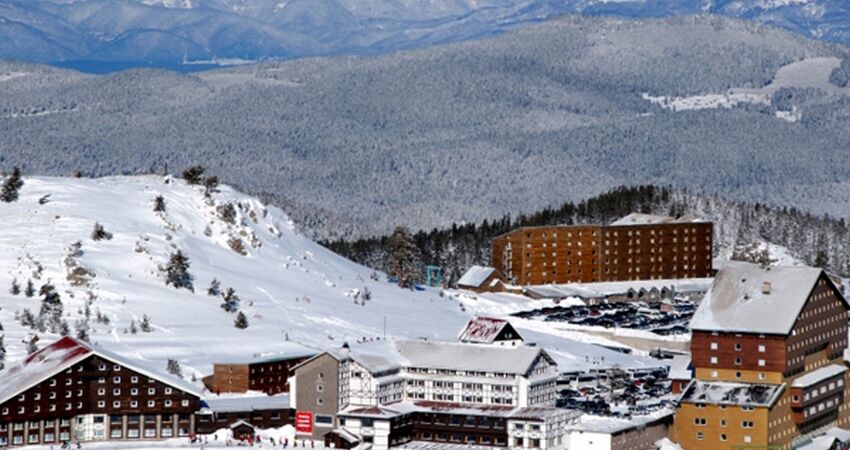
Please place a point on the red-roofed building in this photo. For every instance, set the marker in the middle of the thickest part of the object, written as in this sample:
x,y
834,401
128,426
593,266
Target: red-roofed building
x,y
73,391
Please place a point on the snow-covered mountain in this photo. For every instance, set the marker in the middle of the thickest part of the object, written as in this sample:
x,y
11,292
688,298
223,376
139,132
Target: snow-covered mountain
x,y
103,35
294,292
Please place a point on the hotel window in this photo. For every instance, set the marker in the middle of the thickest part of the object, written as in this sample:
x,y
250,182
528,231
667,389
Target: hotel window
x,y
116,404
151,391
761,363
738,347
714,345
167,391
101,404
151,403
737,361
700,436
761,349
714,360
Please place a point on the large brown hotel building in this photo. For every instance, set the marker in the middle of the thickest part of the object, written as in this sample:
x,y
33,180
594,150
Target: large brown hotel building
x,y
768,352
636,247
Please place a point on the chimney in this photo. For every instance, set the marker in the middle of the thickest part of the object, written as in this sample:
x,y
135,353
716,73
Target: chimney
x,y
765,287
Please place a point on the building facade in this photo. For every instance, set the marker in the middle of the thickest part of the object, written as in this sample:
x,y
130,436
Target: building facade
x,y
393,379
71,390
636,247
767,351
267,374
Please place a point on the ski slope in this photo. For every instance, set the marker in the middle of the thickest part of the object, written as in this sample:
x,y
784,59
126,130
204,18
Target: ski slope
x,y
294,292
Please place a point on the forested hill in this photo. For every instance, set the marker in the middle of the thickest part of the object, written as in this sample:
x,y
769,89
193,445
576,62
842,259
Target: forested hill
x,y
737,225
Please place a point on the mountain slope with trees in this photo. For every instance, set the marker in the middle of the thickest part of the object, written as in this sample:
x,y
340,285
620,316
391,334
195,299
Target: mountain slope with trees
x,y
517,123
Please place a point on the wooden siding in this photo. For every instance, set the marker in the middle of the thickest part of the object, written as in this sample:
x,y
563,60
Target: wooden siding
x,y
590,253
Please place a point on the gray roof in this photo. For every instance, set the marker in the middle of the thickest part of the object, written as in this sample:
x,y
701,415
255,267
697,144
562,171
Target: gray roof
x,y
641,219
680,368
460,356
475,276
736,301
247,403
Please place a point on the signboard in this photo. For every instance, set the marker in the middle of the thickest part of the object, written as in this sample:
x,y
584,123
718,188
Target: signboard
x,y
304,422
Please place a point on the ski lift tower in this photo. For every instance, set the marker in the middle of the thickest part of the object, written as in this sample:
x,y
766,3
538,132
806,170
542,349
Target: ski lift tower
x,y
434,275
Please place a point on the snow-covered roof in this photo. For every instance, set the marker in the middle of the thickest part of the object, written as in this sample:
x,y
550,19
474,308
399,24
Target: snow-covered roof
x,y
460,356
295,352
239,423
816,376
614,425
484,330
475,276
727,393
641,219
64,353
246,403
680,368
377,356
737,301
607,288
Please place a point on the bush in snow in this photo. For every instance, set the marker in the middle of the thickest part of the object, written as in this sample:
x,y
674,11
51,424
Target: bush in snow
x,y
194,174
177,272
12,186
227,213
51,308
241,321
99,233
210,185
82,330
16,288
2,352
32,345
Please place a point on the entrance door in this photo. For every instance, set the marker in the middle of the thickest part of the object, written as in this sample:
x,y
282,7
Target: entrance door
x,y
90,427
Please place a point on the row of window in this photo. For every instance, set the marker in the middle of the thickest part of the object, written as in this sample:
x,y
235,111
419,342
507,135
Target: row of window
x,y
723,437
703,422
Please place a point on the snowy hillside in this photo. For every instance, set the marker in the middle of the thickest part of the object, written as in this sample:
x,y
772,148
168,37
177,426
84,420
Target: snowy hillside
x,y
292,290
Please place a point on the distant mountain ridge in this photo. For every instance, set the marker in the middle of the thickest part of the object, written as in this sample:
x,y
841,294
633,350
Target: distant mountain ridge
x,y
107,35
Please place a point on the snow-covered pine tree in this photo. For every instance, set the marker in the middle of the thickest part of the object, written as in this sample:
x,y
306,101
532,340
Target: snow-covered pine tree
x,y
16,288
12,186
173,367
133,328
100,233
82,330
29,291
51,308
241,321
159,204
230,301
215,288
177,271
402,257
2,351
145,324
32,345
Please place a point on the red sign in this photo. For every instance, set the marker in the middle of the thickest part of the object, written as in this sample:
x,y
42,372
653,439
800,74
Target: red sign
x,y
304,422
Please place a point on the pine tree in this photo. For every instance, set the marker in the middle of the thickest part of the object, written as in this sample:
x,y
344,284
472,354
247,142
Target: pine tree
x,y
99,233
159,204
16,288
146,324
210,185
64,328
12,186
177,272
51,308
402,257
29,291
230,301
32,345
241,321
82,330
133,328
173,367
215,288
194,174
821,259
2,351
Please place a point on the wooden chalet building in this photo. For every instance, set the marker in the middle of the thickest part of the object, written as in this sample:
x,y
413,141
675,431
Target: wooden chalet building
x,y
74,391
260,412
767,350
268,374
636,247
480,279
